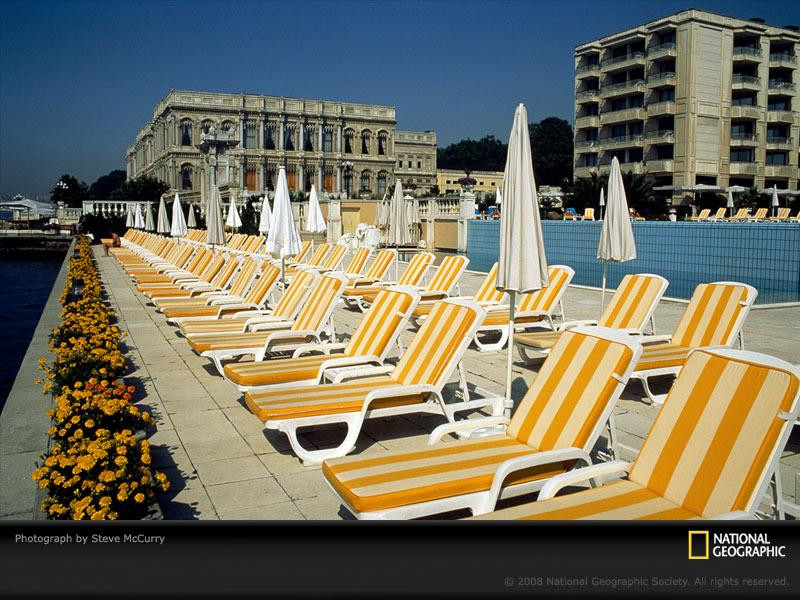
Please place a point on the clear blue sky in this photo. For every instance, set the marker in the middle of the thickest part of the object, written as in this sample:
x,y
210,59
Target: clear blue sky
x,y
78,79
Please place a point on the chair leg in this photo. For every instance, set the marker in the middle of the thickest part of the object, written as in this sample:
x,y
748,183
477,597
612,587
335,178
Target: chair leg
x,y
462,382
612,437
315,457
655,399
777,495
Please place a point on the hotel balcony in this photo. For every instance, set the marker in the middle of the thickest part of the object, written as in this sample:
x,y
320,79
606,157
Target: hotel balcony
x,y
743,168
587,121
661,80
664,136
587,144
661,108
660,165
746,112
744,139
746,54
621,63
584,171
783,59
662,50
789,171
780,116
587,95
620,89
776,86
745,82
583,71
620,116
779,143
635,167
623,141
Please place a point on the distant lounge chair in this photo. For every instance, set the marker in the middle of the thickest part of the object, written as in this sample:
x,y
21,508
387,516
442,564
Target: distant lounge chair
x,y
741,215
719,215
710,453
359,295
761,214
588,214
570,215
702,215
783,215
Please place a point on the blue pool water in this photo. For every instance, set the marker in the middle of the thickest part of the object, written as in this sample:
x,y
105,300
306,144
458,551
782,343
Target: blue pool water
x,y
764,255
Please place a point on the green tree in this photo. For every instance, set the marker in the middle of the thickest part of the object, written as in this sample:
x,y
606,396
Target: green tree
x,y
640,196
485,154
584,192
142,189
106,184
249,217
552,150
70,191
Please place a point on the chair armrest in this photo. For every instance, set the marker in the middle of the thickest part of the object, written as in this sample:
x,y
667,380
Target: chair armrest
x,y
256,312
656,339
535,459
572,324
337,362
465,425
266,323
557,483
396,391
225,308
277,337
225,299
321,348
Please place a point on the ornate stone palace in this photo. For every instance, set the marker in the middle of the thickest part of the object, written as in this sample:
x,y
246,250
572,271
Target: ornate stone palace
x,y
237,141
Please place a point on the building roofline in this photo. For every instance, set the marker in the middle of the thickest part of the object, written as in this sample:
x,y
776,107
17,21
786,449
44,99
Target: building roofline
x,y
182,91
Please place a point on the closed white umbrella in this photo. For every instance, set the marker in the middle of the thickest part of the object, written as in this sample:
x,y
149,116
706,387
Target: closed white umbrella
x,y
233,215
215,234
729,204
602,202
266,216
775,202
523,264
178,228
191,221
129,219
283,239
399,235
138,217
149,221
315,222
163,220
616,237
379,212
412,214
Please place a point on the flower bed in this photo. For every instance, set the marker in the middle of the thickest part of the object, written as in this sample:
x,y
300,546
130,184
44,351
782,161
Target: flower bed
x,y
96,466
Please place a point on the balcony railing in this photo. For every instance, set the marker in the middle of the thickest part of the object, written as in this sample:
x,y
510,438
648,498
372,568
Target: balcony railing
x,y
779,140
780,116
616,88
624,140
658,165
741,167
746,79
659,48
587,121
667,107
743,137
587,143
780,171
746,51
660,77
745,111
625,114
663,135
777,84
587,94
619,60
588,68
782,57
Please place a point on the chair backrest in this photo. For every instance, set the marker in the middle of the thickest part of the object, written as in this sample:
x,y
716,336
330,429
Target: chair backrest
x,y
263,286
383,322
742,213
440,343
634,302
185,256
448,274
547,299
335,257
783,213
226,273
356,264
704,213
561,411
381,264
304,249
320,303
717,438
416,269
715,314
761,213
247,270
720,213
488,293
294,295
200,261
588,214
316,259
214,266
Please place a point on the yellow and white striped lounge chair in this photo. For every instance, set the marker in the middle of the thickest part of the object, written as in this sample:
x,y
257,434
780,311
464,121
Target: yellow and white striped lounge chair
x,y
554,429
315,260
354,267
183,286
234,319
761,215
486,295
743,214
782,214
369,345
332,261
414,385
223,279
305,248
199,307
534,309
588,214
178,257
702,215
270,336
714,316
710,453
170,277
630,310
360,295
377,270
719,215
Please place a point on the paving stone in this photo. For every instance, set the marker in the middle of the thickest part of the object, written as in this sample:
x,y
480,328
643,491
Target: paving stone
x,y
231,469
273,512
238,495
232,447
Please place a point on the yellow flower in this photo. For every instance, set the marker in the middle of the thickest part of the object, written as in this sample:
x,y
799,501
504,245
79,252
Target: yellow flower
x,y
122,495
105,501
139,497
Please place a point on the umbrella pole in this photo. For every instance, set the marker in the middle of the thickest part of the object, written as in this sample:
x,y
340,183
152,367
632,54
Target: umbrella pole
x,y
508,404
397,260
603,293
283,272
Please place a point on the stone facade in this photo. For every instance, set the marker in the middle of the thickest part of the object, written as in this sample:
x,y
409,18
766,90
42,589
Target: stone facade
x,y
691,98
486,182
415,152
340,147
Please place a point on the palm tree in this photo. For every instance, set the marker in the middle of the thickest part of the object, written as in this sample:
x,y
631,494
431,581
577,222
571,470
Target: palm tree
x,y
585,191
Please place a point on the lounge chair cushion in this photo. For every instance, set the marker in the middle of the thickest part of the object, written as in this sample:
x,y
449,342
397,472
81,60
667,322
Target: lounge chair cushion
x,y
250,339
662,356
276,371
537,339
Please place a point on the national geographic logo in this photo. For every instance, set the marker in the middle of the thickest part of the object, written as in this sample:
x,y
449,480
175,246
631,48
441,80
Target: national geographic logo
x,y
703,545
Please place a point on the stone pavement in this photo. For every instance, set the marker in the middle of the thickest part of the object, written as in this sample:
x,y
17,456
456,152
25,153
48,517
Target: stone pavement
x,y
223,465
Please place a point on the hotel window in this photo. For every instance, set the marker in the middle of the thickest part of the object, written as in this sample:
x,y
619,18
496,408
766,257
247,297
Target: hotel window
x,y
591,159
778,104
206,126
666,95
250,135
288,137
382,143
591,135
419,164
777,158
591,110
250,179
365,135
619,104
409,164
186,133
618,131
186,177
327,140
308,138
348,183
348,141
365,180
742,155
745,100
637,100
381,183
635,155
269,136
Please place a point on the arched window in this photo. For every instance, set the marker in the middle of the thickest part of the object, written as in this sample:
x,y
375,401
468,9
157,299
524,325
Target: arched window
x,y
365,182
381,183
250,134
206,125
288,137
348,141
227,126
382,138
186,177
308,138
365,135
327,139
348,183
269,136
186,132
